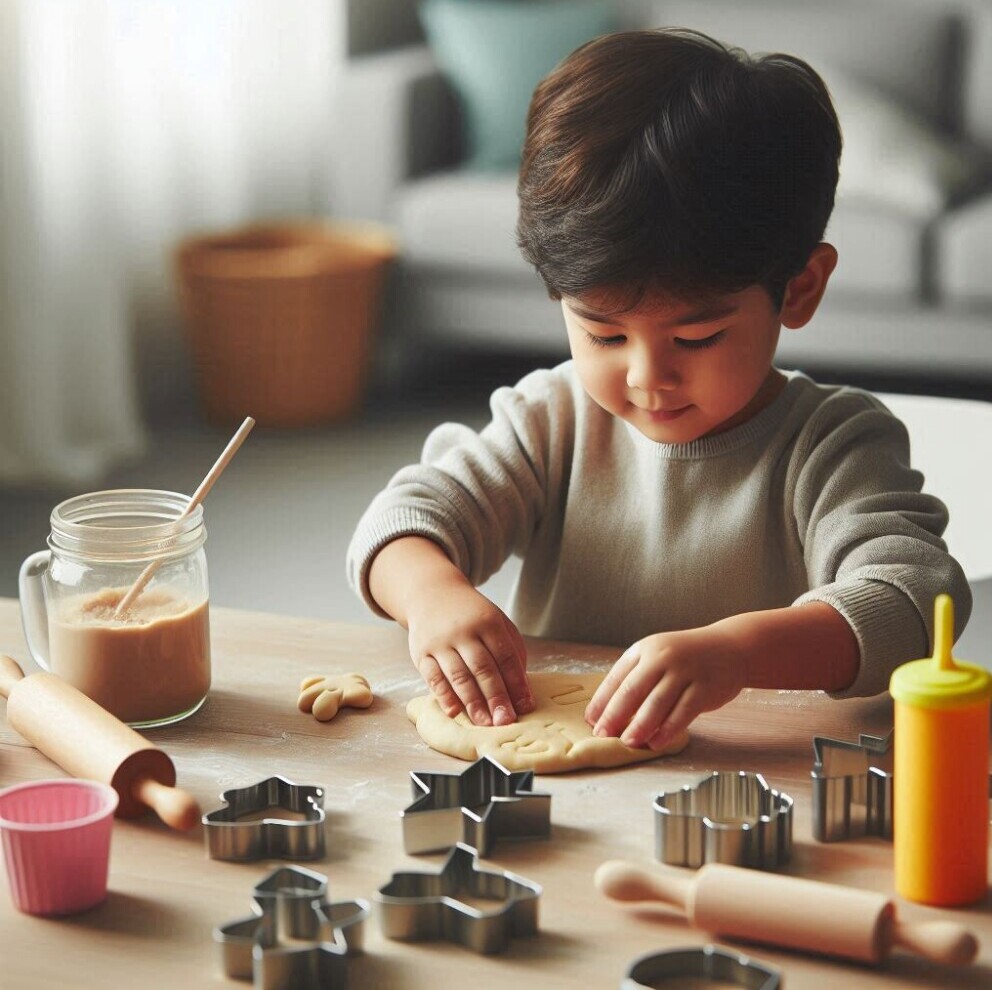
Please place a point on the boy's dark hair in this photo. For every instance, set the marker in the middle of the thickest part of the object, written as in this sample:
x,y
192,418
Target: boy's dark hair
x,y
666,161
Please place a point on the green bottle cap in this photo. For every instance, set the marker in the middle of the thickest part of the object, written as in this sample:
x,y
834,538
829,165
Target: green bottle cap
x,y
941,681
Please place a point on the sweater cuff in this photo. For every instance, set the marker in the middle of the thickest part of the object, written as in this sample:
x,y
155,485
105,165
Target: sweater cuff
x,y
383,528
886,623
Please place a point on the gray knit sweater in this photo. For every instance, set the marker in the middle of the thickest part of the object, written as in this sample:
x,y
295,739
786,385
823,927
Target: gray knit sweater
x,y
813,499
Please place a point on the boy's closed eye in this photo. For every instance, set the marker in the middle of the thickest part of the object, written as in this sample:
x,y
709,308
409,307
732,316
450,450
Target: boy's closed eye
x,y
688,343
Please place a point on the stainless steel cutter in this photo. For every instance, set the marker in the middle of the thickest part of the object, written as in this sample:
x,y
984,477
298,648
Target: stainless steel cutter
x,y
295,940
706,962
729,817
852,787
424,906
476,807
230,836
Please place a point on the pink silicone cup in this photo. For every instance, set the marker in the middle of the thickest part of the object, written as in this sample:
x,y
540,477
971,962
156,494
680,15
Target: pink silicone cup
x,y
56,843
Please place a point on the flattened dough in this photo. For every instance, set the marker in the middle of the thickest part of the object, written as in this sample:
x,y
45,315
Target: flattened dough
x,y
554,738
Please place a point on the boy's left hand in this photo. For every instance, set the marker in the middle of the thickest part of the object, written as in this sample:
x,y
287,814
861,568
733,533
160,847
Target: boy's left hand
x,y
662,682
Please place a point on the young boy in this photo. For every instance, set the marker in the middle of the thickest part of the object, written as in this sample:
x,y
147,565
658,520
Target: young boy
x,y
668,487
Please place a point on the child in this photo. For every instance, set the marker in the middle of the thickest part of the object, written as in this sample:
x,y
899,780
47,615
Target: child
x,y
668,487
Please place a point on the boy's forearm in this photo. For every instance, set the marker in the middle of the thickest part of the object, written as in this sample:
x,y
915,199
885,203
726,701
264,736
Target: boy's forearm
x,y
804,647
404,570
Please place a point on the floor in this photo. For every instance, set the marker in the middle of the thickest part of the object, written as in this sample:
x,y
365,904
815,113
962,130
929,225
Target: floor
x,y
280,518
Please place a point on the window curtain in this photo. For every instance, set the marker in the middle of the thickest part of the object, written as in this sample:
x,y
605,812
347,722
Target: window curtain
x,y
125,125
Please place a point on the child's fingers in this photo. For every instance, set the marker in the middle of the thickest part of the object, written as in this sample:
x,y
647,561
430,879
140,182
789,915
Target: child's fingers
x,y
464,684
684,712
626,700
430,671
607,688
489,678
653,712
510,662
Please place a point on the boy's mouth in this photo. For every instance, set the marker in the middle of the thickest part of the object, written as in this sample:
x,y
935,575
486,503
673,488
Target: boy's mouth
x,y
666,415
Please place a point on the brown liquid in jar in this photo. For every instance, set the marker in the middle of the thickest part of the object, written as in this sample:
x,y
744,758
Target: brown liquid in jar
x,y
151,665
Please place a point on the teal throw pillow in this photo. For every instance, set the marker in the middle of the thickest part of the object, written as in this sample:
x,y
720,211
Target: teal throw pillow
x,y
495,52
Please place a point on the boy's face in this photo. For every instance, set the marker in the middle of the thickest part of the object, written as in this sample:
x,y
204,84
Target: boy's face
x,y
677,371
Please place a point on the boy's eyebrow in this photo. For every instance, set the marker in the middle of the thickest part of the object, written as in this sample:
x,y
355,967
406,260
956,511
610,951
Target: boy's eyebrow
x,y
586,314
707,314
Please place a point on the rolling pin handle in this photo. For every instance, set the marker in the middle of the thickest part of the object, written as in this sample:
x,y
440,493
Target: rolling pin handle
x,y
940,941
175,807
621,881
10,674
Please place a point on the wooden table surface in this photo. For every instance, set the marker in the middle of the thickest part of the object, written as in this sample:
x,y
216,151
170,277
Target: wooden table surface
x,y
166,896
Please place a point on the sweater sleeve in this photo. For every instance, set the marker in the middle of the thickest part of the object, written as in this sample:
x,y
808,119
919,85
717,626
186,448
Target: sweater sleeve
x,y
479,495
871,538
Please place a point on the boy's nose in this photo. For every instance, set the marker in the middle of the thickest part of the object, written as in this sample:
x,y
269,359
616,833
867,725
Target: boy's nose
x,y
650,371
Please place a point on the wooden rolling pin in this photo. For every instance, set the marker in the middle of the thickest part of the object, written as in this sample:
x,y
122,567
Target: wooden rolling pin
x,y
788,911
85,739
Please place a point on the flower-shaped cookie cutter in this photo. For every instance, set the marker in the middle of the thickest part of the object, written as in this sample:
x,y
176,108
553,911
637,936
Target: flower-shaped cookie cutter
x,y
852,787
424,906
295,940
243,831
476,807
729,817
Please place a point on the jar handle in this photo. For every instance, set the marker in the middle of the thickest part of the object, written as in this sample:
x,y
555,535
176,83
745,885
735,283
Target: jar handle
x,y
34,611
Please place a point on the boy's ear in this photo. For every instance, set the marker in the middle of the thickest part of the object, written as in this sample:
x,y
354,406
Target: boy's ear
x,y
805,290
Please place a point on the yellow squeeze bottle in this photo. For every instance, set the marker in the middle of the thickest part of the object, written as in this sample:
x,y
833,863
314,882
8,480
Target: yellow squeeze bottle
x,y
940,820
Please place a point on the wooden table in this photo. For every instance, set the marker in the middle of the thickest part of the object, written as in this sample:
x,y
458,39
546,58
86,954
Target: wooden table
x,y
166,896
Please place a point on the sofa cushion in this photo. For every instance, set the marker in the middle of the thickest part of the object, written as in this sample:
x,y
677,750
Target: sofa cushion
x,y
495,52
893,156
881,250
963,247
908,50
461,219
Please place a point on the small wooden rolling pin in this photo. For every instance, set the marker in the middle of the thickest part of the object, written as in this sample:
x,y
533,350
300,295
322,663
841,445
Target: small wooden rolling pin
x,y
787,911
85,739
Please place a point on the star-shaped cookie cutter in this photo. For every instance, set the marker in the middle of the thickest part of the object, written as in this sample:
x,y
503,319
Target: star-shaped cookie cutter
x,y
727,817
230,837
424,906
476,807
289,904
852,787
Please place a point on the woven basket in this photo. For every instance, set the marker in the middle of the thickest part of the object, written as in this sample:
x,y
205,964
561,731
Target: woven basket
x,y
281,319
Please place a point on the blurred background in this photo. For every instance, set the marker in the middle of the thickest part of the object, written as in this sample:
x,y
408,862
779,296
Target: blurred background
x,y
304,210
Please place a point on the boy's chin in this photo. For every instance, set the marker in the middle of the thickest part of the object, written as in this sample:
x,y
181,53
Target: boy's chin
x,y
668,432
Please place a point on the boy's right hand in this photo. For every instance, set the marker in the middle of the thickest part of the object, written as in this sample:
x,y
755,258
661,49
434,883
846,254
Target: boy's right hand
x,y
471,655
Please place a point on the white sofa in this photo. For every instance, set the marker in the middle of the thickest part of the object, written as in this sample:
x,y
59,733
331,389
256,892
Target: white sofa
x,y
912,80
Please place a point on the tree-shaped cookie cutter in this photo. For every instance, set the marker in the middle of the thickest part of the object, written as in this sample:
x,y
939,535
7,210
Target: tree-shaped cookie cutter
x,y
852,787
230,837
729,817
425,906
295,940
476,807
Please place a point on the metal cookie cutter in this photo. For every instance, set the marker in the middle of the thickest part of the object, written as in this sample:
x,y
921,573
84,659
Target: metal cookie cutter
x,y
704,963
289,905
422,906
230,838
728,817
476,807
852,787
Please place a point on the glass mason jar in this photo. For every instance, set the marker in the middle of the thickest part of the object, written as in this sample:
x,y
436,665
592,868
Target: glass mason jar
x,y
150,664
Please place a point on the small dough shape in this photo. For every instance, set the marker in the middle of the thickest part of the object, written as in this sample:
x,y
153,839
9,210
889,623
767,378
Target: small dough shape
x,y
554,738
325,696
